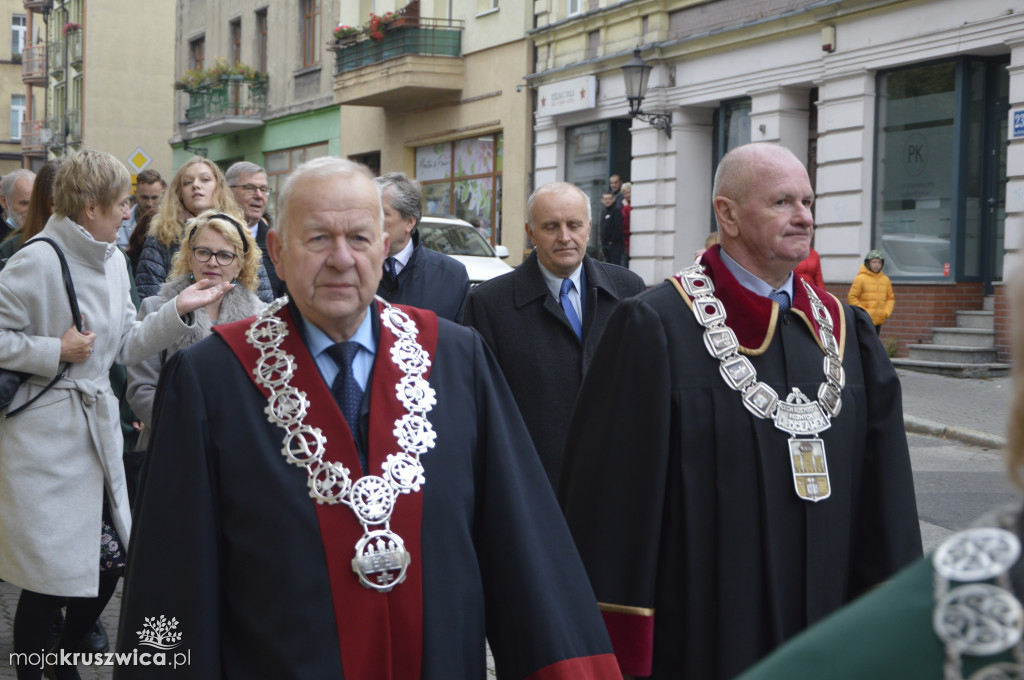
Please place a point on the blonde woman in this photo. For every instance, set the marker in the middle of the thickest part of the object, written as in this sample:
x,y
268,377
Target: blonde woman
x,y
198,186
216,247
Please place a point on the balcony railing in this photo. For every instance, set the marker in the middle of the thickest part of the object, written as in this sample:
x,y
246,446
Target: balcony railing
x,y
34,136
55,125
33,64
75,47
57,57
230,96
74,126
422,36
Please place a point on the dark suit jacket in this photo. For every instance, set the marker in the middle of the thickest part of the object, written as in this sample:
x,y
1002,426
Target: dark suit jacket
x,y
261,240
430,280
543,361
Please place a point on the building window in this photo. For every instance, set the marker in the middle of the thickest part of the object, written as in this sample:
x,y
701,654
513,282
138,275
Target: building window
x,y
17,114
310,32
280,164
574,7
17,35
914,199
593,42
940,170
463,178
196,48
261,40
236,41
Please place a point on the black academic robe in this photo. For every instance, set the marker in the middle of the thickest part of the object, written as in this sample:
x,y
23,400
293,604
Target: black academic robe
x,y
227,539
682,503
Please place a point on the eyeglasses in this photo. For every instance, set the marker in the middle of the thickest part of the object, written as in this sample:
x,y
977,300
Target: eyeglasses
x,y
252,188
224,258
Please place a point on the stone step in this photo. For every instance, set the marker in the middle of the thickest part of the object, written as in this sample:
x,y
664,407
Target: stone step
x,y
988,303
954,370
976,319
964,337
952,354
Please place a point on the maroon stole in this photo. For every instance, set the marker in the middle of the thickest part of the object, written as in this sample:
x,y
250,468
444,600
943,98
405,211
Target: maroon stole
x,y
752,317
380,634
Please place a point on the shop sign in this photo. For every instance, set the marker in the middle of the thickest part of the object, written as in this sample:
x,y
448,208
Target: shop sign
x,y
577,94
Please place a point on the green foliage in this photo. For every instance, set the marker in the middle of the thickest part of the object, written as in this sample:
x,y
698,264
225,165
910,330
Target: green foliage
x,y
195,78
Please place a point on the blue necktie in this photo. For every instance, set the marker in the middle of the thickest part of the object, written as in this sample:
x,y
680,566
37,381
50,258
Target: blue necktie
x,y
346,389
781,297
570,311
390,267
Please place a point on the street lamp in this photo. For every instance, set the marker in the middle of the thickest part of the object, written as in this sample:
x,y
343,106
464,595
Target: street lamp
x,y
635,72
183,127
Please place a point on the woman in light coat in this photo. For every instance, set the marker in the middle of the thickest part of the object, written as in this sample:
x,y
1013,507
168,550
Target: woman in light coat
x,y
209,238
62,484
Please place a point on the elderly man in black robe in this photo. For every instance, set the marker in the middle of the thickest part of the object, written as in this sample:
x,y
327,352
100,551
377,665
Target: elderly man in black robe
x,y
336,488
743,471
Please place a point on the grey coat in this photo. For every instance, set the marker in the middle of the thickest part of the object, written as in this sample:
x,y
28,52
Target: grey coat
x,y
58,456
239,303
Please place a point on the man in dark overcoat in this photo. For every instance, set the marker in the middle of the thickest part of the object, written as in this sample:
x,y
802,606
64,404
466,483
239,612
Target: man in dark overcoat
x,y
543,320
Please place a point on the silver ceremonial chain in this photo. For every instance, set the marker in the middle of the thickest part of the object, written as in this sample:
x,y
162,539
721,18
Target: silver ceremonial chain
x,y
381,559
978,619
798,416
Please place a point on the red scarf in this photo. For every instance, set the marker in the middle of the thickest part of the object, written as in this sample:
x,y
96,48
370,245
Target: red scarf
x,y
380,634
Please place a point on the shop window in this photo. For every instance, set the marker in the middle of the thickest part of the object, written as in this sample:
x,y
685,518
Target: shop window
x,y
280,164
914,173
463,178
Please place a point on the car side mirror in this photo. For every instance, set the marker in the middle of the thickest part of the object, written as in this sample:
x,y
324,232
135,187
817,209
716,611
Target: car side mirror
x,y
501,251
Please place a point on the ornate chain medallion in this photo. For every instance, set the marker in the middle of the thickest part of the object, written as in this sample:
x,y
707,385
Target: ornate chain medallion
x,y
802,419
978,619
381,560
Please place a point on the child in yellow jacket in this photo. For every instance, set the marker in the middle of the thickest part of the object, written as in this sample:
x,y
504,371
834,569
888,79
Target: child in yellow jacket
x,y
872,290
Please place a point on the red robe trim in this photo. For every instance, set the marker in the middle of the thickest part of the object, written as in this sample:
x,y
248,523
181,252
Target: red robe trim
x,y
753,317
598,667
631,630
380,634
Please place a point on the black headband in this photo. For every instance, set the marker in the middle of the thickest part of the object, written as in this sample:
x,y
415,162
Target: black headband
x,y
230,220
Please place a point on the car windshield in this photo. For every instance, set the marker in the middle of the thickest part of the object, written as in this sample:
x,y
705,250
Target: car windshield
x,y
454,239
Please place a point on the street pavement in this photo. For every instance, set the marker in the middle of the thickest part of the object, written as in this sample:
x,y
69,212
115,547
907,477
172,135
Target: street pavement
x,y
967,411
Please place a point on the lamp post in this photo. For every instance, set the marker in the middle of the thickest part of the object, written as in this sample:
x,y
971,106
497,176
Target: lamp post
x,y
635,72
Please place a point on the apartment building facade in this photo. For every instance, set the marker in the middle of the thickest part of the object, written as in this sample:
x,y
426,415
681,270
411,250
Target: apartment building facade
x,y
903,111
254,83
96,73
439,93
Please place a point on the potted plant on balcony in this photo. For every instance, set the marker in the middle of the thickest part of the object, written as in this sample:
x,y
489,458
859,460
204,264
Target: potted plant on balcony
x,y
346,35
379,24
72,27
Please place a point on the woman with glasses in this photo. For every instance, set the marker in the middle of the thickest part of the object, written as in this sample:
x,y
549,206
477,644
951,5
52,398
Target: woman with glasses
x,y
216,247
198,185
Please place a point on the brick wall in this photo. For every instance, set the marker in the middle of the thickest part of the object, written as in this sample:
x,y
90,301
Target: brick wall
x,y
922,307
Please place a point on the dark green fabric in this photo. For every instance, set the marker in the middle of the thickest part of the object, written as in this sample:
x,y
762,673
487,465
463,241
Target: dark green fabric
x,y
885,634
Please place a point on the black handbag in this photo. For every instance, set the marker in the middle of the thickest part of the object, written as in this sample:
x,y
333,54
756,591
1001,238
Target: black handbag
x,y
11,380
